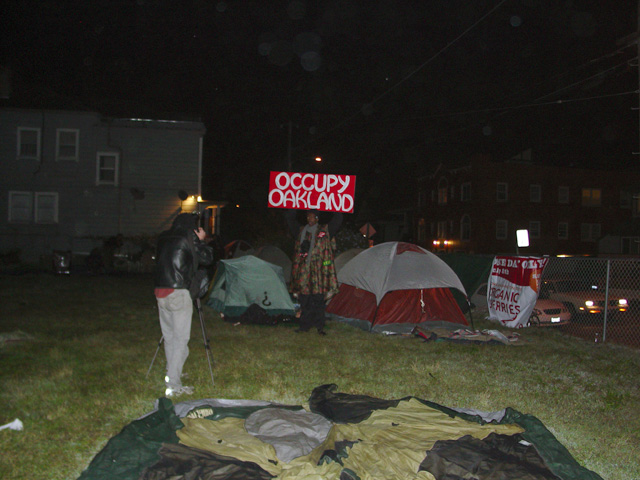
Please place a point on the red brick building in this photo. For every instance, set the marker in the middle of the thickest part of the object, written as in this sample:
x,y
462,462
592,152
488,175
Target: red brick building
x,y
478,207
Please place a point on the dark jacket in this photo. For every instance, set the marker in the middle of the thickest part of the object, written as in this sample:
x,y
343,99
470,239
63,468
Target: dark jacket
x,y
174,254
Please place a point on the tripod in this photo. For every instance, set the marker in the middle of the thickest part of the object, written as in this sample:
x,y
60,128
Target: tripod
x,y
204,338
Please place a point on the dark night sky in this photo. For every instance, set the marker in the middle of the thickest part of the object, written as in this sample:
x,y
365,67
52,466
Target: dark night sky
x,y
383,89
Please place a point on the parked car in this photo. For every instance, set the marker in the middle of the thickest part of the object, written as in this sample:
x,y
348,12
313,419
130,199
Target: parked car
x,y
546,312
583,297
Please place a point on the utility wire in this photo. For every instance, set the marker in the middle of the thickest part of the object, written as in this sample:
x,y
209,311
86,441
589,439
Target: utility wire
x,y
529,105
408,76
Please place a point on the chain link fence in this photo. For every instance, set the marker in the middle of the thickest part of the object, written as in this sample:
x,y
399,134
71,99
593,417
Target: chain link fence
x,y
602,295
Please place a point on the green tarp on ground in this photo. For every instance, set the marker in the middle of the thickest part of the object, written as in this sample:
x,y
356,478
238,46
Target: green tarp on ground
x,y
336,436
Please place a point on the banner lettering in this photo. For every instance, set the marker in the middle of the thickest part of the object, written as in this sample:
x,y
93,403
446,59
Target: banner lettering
x,y
312,191
513,289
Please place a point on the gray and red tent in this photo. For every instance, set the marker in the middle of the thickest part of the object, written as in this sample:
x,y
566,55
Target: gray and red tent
x,y
396,286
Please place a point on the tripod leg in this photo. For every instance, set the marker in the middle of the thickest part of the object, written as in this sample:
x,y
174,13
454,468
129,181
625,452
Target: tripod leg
x,y
206,340
154,357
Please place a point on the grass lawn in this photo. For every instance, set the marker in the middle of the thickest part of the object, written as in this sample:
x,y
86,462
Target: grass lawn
x,y
76,374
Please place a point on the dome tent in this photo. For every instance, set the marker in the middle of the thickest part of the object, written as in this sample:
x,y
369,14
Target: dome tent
x,y
396,286
247,280
275,255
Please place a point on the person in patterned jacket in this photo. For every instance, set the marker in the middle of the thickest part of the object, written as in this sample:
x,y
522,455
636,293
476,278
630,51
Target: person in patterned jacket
x,y
313,272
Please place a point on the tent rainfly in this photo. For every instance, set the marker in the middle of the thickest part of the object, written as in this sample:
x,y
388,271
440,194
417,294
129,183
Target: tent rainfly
x,y
241,282
395,286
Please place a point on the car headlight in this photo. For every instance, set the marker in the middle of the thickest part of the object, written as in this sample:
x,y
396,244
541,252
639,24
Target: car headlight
x,y
622,301
589,303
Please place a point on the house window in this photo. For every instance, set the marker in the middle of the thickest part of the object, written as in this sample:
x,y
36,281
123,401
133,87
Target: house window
x,y
465,228
442,191
67,147
46,210
534,229
107,168
590,232
630,245
625,199
502,194
535,193
563,195
501,229
20,207
465,192
28,143
563,230
591,197
635,205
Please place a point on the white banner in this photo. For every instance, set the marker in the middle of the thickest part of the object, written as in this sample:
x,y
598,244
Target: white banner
x,y
513,289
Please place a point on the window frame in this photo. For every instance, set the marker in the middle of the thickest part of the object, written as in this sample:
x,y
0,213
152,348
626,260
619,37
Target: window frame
x,y
535,193
19,153
505,193
10,209
465,192
499,223
633,244
76,145
588,200
566,231
564,195
116,169
443,190
595,232
37,208
465,228
626,199
535,228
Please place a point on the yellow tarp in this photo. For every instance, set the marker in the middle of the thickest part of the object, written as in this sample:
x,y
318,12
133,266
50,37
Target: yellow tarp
x,y
391,443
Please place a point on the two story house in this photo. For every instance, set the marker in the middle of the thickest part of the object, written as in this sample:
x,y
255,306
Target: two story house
x,y
478,207
71,179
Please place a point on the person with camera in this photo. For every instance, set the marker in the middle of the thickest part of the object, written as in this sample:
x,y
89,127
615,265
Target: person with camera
x,y
313,272
179,252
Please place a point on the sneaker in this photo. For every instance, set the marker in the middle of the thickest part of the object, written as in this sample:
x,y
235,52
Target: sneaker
x,y
174,392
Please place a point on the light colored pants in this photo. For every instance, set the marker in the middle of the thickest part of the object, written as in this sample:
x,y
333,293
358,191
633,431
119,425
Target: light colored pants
x,y
176,311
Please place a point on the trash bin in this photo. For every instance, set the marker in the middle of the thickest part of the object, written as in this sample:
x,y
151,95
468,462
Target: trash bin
x,y
61,262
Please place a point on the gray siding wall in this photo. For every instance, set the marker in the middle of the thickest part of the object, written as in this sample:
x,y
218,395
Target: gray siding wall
x,y
157,159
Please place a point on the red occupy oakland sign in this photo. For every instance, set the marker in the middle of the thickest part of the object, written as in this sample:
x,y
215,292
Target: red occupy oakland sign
x,y
312,191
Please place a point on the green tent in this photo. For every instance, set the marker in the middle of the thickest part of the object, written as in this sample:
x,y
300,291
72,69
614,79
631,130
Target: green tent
x,y
241,282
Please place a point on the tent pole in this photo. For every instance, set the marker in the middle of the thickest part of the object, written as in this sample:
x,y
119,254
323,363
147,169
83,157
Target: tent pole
x,y
470,314
375,315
